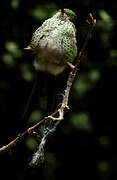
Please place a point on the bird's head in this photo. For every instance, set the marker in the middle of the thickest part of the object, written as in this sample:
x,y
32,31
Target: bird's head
x,y
66,14
70,14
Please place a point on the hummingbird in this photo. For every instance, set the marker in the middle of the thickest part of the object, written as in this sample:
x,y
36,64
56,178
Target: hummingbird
x,y
54,47
54,43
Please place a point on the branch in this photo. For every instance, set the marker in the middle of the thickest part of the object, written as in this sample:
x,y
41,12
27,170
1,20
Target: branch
x,y
92,22
59,114
30,130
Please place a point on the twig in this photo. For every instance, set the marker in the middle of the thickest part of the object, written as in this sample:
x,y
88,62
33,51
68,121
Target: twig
x,y
59,114
30,130
20,136
91,21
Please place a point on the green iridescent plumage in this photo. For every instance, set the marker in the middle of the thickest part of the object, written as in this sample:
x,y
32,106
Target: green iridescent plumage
x,y
54,43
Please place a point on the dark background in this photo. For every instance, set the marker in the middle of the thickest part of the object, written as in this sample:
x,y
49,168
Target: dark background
x,y
82,145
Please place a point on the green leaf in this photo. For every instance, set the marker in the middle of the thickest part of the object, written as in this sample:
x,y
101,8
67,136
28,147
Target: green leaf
x,y
104,15
26,72
103,166
81,121
94,75
8,59
113,53
86,82
15,4
31,143
35,116
13,49
43,12
82,85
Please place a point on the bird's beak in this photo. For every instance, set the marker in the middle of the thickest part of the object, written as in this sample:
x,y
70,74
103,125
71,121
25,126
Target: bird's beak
x,y
28,48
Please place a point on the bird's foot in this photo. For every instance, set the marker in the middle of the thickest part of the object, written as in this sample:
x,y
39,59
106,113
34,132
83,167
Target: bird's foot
x,y
72,67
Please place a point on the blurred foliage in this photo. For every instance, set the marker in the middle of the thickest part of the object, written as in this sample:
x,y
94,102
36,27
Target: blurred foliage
x,y
31,143
104,141
103,166
86,82
81,121
13,49
43,12
15,4
82,145
35,116
26,72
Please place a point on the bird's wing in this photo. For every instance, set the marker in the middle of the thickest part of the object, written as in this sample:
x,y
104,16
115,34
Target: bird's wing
x,y
42,31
